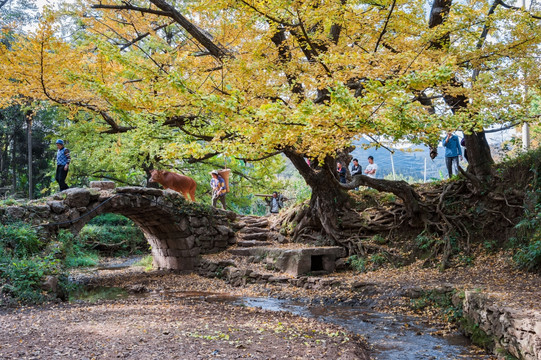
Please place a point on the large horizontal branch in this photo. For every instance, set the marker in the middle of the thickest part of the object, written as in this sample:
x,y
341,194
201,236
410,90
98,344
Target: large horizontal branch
x,y
217,50
193,160
516,8
128,6
263,157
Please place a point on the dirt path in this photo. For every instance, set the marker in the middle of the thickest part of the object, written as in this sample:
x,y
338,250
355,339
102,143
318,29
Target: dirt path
x,y
169,327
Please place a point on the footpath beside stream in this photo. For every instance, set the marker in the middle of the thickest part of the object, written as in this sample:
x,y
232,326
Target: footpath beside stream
x,y
389,336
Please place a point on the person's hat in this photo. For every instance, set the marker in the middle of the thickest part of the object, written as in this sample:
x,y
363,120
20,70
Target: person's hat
x,y
215,172
60,141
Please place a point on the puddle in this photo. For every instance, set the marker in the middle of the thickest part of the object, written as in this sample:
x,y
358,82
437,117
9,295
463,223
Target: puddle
x,y
97,293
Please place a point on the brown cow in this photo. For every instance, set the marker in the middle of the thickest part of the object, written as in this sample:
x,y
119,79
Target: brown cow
x,y
170,180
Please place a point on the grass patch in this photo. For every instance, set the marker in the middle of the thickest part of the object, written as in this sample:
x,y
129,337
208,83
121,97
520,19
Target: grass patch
x,y
145,262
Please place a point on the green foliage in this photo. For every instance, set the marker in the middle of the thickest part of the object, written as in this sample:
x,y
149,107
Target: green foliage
x,y
145,262
426,241
378,239
529,256
24,276
358,263
378,259
19,240
111,234
24,263
441,300
476,334
527,242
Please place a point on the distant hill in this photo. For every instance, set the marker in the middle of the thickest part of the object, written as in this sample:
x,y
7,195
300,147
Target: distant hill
x,y
409,161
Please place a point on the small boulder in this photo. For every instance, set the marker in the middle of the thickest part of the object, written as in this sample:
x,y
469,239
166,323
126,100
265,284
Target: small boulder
x,y
57,207
50,284
102,185
77,197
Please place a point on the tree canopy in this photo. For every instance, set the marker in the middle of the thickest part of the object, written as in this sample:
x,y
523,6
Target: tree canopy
x,y
249,78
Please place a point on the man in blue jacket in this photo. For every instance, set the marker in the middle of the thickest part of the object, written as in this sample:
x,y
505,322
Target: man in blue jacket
x,y
452,152
63,159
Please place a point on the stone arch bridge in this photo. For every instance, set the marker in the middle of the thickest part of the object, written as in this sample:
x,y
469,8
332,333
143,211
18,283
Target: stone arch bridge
x,y
177,230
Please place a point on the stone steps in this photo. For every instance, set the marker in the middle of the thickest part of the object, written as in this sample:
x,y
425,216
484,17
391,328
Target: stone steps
x,y
252,243
258,236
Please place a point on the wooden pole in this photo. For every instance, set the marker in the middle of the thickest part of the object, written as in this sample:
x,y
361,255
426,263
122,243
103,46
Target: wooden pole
x,y
29,140
425,171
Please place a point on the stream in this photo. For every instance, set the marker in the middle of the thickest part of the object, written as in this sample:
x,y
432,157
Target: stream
x,y
391,337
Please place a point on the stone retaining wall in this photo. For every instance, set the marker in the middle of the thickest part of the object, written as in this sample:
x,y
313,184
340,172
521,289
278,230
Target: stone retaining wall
x,y
517,332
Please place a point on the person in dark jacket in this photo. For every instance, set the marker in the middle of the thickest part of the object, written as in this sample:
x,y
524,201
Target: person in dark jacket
x,y
341,173
356,169
63,159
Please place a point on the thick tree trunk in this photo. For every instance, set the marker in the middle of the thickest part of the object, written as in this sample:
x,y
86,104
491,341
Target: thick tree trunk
x,y
329,200
479,158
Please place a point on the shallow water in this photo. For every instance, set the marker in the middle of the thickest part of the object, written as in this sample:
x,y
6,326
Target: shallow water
x,y
391,337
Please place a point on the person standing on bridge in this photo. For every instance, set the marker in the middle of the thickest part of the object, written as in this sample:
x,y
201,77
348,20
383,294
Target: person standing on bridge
x,y
218,188
63,159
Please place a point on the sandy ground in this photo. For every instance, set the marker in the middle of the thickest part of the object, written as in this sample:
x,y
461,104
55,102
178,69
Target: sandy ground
x,y
165,324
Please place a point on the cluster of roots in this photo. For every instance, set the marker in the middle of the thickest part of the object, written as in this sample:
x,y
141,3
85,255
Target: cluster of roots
x,y
459,213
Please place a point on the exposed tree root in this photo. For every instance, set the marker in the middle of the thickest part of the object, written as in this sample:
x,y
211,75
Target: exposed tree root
x,y
455,212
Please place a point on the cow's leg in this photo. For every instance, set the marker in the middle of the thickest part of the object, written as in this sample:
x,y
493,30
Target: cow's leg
x,y
185,193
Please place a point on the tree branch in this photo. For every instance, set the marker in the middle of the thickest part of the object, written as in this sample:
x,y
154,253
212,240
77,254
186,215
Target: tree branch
x,y
217,50
384,30
142,36
517,8
128,6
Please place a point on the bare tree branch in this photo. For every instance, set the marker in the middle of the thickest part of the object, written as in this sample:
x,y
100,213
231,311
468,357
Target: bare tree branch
x,y
384,30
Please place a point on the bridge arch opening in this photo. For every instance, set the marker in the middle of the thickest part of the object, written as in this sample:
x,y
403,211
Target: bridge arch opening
x,y
113,235
168,232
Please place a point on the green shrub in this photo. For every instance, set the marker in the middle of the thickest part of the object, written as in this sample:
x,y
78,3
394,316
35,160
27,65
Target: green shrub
x,y
23,277
426,241
378,259
111,219
529,256
357,263
19,240
113,235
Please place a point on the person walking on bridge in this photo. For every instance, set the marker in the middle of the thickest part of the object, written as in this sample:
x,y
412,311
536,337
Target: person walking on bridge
x,y
63,159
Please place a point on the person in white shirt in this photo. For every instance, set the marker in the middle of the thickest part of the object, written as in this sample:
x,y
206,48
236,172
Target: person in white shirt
x,y
371,169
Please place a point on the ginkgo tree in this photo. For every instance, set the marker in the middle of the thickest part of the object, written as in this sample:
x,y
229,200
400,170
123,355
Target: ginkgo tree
x,y
253,79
